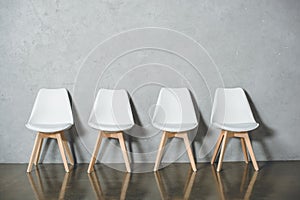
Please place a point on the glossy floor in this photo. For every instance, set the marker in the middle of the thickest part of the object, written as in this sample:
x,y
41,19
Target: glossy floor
x,y
275,180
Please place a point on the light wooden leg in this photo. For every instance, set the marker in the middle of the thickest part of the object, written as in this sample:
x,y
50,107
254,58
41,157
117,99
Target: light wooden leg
x,y
124,151
217,147
189,151
160,150
249,146
95,153
37,155
68,152
34,151
222,151
244,150
62,151
67,149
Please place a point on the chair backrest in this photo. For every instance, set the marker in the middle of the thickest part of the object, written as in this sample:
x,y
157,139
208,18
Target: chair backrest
x,y
174,106
111,107
51,106
231,106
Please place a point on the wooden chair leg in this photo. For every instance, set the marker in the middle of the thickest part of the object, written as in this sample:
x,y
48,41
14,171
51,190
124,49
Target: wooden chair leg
x,y
95,152
244,150
160,150
67,149
189,151
62,151
37,156
124,151
34,152
249,146
217,147
222,151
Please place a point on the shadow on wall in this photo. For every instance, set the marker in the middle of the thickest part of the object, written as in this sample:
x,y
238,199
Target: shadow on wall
x,y
130,139
263,132
201,129
72,135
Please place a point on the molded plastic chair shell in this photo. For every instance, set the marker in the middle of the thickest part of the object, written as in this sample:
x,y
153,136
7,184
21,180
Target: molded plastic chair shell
x,y
174,111
231,111
51,111
111,111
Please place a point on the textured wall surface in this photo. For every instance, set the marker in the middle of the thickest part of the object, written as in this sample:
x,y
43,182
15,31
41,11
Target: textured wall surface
x,y
202,45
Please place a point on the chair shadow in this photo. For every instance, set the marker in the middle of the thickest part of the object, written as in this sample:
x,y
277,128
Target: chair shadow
x,y
263,132
163,187
201,129
100,194
244,191
128,137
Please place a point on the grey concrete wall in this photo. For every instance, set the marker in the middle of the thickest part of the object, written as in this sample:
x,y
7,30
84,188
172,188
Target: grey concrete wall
x,y
202,45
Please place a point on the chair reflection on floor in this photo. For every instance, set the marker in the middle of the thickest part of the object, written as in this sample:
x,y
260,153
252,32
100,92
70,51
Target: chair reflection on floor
x,y
94,180
38,187
220,184
187,188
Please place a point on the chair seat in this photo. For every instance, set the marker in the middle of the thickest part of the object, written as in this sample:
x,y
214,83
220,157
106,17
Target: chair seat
x,y
110,127
240,127
172,127
48,128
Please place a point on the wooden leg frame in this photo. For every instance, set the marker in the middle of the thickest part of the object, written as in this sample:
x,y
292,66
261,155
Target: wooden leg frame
x,y
117,135
164,138
245,142
62,144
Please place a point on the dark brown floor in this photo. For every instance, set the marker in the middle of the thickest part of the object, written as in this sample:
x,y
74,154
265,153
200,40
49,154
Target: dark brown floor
x,y
275,180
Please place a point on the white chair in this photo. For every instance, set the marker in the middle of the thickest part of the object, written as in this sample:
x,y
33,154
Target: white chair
x,y
111,115
175,115
50,116
232,114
